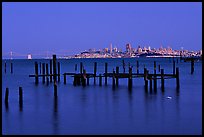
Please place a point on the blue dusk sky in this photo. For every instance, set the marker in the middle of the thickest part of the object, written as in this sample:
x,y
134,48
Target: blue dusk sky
x,y
41,28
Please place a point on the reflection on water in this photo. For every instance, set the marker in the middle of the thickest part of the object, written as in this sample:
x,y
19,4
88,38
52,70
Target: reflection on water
x,y
55,116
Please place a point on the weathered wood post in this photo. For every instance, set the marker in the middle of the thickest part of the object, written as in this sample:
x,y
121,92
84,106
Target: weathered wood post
x,y
6,95
20,96
81,67
5,67
43,72
155,65
75,81
174,67
11,67
40,67
87,80
54,68
155,81
162,79
106,71
84,78
159,67
192,66
55,89
36,73
145,79
95,67
177,78
47,73
50,70
117,75
150,83
65,80
123,66
137,67
100,80
130,79
113,78
58,64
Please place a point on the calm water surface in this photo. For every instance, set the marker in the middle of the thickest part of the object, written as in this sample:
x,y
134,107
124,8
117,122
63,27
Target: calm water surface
x,y
101,110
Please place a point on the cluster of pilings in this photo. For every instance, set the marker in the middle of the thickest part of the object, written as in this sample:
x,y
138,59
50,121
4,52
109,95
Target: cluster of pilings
x,y
52,75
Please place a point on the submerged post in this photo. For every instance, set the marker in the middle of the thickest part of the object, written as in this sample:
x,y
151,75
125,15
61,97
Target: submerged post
x,y
117,75
162,79
36,73
54,68
43,72
65,80
40,67
123,66
5,67
84,78
58,64
6,95
81,67
177,78
154,65
130,79
155,81
192,66
50,70
95,67
113,78
150,83
174,67
145,79
106,71
100,80
55,89
47,73
137,67
20,96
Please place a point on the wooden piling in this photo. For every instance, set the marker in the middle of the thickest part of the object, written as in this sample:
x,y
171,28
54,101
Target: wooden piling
x,y
36,73
43,72
159,68
47,73
81,67
130,79
117,75
162,79
174,67
83,79
55,89
58,64
150,83
11,67
177,78
155,81
123,66
50,70
5,67
40,67
6,95
100,80
154,65
113,79
106,71
137,67
74,82
87,81
20,95
65,80
192,66
54,68
145,79
95,68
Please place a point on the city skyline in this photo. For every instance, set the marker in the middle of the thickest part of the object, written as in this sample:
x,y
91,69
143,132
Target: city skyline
x,y
70,28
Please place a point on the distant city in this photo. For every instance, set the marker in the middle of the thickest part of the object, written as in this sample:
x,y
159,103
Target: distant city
x,y
131,52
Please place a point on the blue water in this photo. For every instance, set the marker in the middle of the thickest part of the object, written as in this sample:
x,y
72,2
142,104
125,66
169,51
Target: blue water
x,y
101,110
